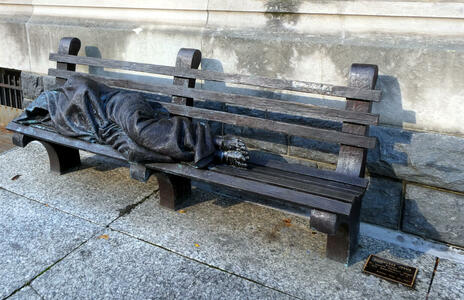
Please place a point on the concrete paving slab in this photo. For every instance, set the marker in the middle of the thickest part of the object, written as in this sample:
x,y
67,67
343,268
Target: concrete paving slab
x,y
99,191
116,266
33,237
25,293
270,247
448,282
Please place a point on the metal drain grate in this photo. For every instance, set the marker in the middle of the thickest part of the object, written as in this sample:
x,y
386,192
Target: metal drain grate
x,y
10,88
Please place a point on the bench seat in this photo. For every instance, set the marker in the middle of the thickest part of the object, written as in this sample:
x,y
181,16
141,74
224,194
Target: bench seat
x,y
296,184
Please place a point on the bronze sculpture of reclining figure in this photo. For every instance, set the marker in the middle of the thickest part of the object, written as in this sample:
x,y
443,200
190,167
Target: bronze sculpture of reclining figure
x,y
140,130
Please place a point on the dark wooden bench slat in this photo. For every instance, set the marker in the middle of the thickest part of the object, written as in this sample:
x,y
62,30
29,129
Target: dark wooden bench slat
x,y
292,196
318,173
330,136
252,102
250,174
263,189
54,137
51,136
325,135
351,189
281,84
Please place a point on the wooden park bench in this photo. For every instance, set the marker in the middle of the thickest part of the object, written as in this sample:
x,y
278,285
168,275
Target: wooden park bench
x,y
333,197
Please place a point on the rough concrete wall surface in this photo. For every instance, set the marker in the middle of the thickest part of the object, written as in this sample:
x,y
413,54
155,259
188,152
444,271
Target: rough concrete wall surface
x,y
416,171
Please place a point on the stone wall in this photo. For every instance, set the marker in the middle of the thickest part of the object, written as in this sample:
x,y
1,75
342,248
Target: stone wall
x,y
416,172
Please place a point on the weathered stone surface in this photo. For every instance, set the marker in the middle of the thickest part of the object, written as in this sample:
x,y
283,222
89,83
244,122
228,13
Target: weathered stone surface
x,y
14,41
270,247
122,267
434,214
429,158
49,83
33,237
448,282
99,191
114,39
32,85
381,203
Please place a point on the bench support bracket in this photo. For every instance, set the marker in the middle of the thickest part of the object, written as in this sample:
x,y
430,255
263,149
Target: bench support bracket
x,y
173,190
352,161
62,159
343,243
139,172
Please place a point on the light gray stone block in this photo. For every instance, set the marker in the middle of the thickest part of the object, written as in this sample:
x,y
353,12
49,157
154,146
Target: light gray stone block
x,y
113,39
33,237
267,246
14,41
49,83
31,84
99,191
448,282
428,158
122,267
434,214
381,203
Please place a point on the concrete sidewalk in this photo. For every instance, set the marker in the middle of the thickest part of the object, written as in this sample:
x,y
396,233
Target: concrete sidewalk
x,y
97,234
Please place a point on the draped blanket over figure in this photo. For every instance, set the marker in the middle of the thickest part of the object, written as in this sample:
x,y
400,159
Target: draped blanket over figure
x,y
140,130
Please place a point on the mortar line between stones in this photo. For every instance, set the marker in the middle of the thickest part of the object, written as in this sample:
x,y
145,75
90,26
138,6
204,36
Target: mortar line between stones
x,y
436,188
402,204
127,210
207,20
71,214
51,266
206,264
41,297
50,206
29,50
437,261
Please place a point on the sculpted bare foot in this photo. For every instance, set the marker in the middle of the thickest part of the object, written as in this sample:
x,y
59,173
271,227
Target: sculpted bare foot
x,y
234,158
230,143
232,151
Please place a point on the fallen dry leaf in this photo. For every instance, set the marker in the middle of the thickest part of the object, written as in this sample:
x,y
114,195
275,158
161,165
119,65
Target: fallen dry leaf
x,y
287,222
104,236
182,211
16,177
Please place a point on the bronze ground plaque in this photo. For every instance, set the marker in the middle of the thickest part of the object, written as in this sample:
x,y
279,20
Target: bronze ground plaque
x,y
390,270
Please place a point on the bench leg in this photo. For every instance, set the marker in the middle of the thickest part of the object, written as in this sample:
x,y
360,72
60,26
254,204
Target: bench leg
x,y
342,244
173,190
139,172
62,159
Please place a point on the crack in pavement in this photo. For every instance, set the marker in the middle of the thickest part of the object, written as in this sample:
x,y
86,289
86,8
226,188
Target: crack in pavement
x,y
437,261
208,265
127,210
50,266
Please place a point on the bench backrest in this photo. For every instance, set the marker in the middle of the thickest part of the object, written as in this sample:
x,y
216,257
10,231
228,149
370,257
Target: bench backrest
x,y
356,117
